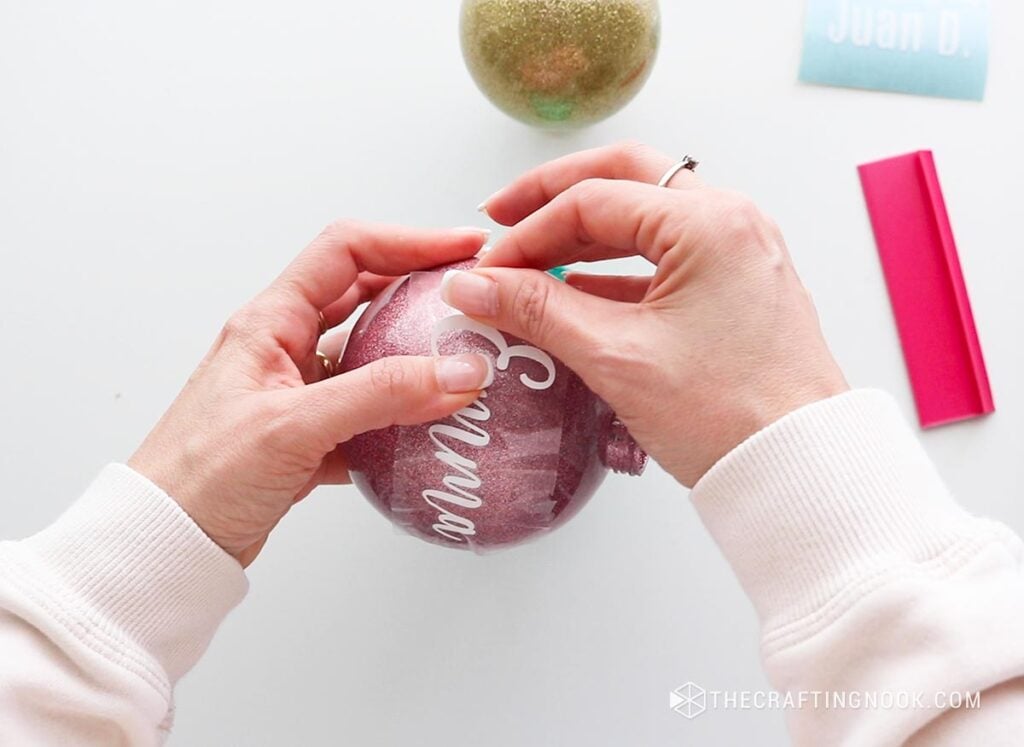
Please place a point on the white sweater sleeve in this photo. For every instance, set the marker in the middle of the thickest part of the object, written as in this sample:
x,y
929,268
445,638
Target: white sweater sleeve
x,y
869,578
102,612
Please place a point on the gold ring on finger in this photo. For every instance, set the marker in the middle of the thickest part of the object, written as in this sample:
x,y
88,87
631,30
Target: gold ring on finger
x,y
326,364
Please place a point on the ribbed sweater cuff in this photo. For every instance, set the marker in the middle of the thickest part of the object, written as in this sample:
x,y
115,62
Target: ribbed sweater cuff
x,y
832,494
128,558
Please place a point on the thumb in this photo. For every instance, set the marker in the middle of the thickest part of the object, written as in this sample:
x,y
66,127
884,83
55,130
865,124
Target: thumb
x,y
392,391
570,324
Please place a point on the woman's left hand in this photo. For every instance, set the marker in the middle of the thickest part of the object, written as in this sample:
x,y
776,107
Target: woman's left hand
x,y
258,424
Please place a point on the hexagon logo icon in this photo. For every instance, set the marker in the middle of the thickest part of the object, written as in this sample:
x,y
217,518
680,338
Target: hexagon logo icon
x,y
689,700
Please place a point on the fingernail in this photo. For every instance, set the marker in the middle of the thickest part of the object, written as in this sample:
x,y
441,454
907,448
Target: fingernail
x,y
485,232
482,207
457,374
470,293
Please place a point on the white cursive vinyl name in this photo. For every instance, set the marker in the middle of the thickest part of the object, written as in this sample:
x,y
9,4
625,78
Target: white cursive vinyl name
x,y
460,490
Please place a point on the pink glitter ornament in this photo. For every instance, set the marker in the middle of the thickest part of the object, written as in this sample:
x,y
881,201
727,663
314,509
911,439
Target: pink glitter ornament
x,y
520,461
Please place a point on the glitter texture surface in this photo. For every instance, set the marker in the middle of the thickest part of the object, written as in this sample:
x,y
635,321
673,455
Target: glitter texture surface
x,y
520,461
560,63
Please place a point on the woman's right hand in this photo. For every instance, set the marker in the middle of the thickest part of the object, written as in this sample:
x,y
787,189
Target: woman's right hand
x,y
720,342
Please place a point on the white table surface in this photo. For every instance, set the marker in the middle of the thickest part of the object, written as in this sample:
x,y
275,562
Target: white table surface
x,y
160,162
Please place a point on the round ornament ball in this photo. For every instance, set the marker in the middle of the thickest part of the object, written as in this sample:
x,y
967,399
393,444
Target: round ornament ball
x,y
517,463
560,63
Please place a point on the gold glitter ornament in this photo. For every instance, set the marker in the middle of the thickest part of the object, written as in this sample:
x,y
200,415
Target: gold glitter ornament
x,y
560,63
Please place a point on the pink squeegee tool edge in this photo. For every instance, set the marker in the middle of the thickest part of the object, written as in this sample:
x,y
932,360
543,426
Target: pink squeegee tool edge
x,y
943,353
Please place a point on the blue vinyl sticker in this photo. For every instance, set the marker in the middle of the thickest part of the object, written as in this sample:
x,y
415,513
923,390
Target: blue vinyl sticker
x,y
926,47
